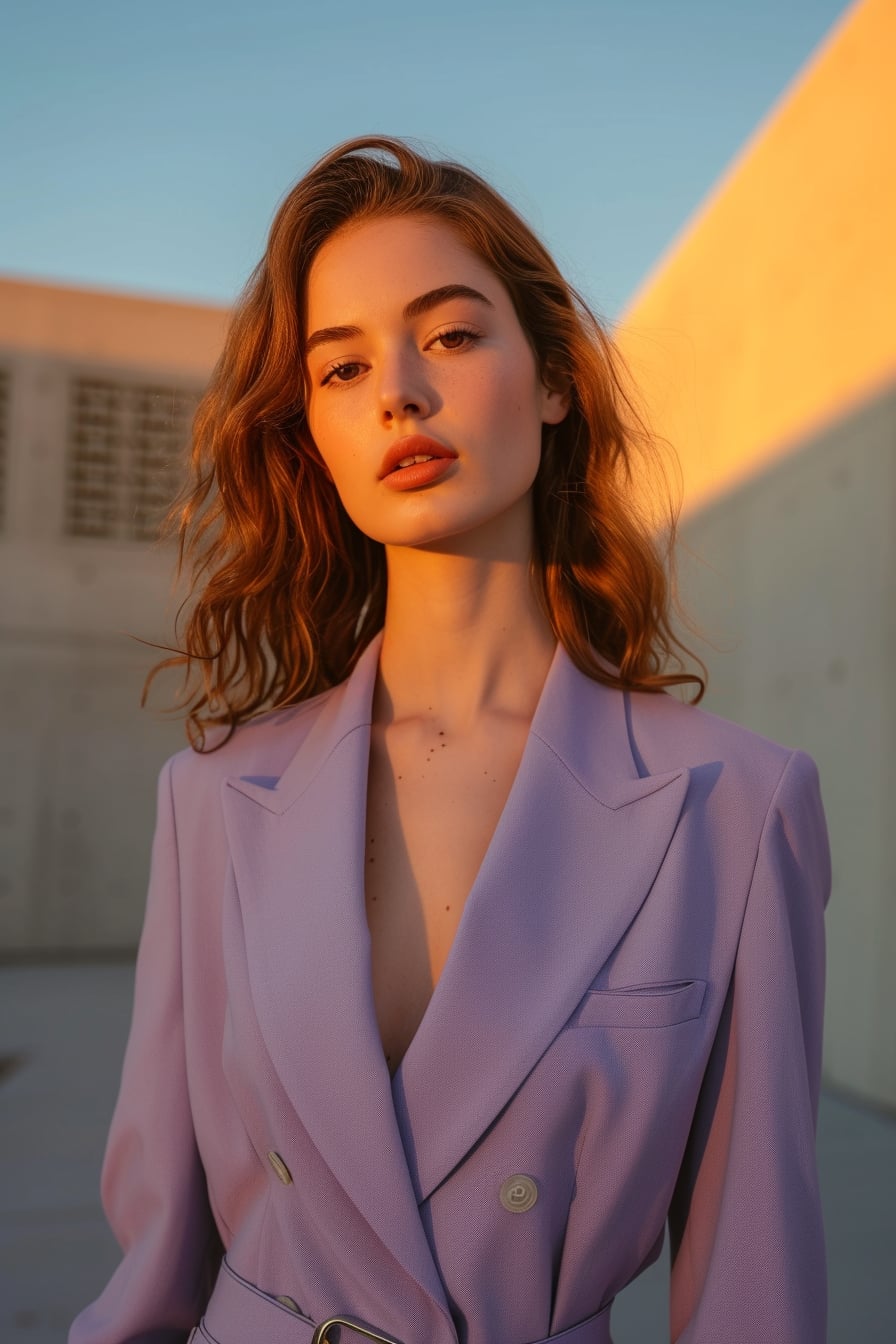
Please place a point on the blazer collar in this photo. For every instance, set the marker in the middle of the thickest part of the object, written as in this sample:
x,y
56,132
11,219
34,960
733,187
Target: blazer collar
x,y
575,852
606,769
345,708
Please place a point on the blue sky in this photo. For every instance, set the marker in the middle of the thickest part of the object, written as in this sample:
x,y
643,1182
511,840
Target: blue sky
x,y
145,146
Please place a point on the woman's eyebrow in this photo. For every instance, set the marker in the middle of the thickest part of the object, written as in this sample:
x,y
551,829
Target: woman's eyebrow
x,y
433,297
416,308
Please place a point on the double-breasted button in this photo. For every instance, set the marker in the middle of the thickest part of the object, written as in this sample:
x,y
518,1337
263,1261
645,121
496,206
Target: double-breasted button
x,y
518,1193
280,1167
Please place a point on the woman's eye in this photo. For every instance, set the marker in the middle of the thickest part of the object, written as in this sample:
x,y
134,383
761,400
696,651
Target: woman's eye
x,y
342,373
455,338
452,338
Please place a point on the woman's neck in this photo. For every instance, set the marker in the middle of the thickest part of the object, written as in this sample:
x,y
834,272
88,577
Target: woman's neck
x,y
464,638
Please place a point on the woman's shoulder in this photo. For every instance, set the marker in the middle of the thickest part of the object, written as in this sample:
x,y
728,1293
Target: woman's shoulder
x,y
664,732
261,746
667,733
739,780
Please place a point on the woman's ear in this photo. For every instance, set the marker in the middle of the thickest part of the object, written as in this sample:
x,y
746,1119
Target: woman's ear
x,y
556,397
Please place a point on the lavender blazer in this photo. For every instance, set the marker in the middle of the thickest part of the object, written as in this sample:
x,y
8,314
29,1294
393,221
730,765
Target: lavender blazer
x,y
627,1031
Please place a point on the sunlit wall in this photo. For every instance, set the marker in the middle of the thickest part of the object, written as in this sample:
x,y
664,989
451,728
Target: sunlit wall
x,y
764,344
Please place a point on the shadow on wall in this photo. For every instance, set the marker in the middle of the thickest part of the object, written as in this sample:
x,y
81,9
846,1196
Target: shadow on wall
x,y
790,578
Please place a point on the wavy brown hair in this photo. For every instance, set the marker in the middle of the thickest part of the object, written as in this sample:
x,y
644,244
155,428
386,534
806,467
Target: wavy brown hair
x,y
286,590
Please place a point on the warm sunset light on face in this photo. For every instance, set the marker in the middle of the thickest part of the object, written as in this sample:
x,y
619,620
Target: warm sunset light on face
x,y
394,360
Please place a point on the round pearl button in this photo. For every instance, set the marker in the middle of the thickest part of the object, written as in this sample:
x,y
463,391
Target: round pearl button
x,y
518,1193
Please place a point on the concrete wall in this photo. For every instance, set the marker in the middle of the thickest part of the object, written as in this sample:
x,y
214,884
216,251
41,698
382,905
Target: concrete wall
x,y
792,577
77,794
77,791
80,756
763,348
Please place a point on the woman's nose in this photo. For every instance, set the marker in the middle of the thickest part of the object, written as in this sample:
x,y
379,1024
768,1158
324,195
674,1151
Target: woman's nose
x,y
403,392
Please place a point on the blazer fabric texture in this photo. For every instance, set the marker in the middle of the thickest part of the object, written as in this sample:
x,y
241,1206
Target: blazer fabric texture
x,y
627,1032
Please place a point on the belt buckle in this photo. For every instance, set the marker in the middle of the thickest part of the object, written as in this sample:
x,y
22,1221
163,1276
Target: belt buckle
x,y
320,1332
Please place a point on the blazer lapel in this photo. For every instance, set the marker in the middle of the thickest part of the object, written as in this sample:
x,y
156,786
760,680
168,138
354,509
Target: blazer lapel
x,y
577,848
297,851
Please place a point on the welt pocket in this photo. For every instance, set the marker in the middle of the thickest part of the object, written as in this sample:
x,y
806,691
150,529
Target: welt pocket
x,y
652,1005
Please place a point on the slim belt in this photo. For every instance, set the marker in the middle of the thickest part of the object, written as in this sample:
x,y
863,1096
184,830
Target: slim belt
x,y
239,1313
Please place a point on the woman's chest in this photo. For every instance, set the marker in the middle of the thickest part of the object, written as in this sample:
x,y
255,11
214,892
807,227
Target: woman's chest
x,y
432,809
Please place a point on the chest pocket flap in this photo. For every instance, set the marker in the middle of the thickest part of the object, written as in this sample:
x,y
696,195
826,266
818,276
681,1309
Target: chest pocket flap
x,y
661,1004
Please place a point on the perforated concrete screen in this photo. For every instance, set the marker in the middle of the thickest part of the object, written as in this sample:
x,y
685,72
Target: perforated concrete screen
x,y
126,456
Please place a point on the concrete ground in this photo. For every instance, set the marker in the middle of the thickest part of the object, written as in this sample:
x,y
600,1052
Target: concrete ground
x,y
62,1034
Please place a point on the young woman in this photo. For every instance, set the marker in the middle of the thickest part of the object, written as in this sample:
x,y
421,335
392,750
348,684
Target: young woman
x,y
471,955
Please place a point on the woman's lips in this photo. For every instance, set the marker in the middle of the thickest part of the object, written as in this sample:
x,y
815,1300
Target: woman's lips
x,y
424,459
421,473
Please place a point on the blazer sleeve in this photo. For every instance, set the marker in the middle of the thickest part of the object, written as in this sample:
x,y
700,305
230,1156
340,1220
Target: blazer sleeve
x,y
748,1257
153,1184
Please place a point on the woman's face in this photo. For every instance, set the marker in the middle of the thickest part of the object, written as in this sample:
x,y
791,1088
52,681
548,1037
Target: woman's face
x,y
414,350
